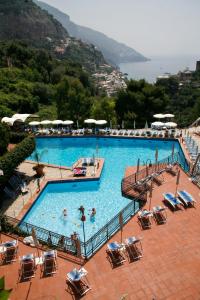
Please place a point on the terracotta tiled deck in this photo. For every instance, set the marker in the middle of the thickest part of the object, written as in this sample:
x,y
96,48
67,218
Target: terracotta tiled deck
x,y
169,269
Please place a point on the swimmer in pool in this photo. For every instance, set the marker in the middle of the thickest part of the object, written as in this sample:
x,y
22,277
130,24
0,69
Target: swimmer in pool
x,y
82,209
93,213
65,212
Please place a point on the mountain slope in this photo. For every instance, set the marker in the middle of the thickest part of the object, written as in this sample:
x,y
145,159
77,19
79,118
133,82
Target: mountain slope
x,y
24,20
113,51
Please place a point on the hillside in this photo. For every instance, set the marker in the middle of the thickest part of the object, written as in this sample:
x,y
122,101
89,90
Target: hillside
x,y
113,51
23,20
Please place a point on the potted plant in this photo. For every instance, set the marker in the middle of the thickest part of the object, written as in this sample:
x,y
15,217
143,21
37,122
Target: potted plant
x,y
4,294
39,167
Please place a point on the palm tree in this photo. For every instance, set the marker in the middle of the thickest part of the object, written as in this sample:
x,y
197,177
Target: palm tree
x,y
38,157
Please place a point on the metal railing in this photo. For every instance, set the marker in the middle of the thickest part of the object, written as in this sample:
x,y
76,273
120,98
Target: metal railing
x,y
67,244
128,183
64,243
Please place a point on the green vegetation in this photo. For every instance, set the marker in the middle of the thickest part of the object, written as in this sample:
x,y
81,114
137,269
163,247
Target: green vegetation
x,y
4,294
184,100
139,102
4,138
32,81
12,159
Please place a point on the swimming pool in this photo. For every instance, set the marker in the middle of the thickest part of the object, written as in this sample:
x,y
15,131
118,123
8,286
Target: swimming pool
x,y
104,194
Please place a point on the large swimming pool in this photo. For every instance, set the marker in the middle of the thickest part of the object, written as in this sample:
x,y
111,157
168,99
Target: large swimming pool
x,y
104,194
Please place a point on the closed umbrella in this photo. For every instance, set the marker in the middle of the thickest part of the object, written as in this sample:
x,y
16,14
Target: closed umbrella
x,y
36,243
177,181
150,194
134,125
121,223
146,125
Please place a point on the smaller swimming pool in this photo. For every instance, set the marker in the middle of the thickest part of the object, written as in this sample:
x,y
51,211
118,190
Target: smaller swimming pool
x,y
47,211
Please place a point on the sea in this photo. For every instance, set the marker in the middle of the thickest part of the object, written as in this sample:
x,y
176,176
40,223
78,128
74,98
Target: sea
x,y
158,65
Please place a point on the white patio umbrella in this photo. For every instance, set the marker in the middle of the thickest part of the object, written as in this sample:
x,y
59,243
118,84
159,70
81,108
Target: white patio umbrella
x,y
45,122
169,116
90,121
157,124
34,123
159,116
146,125
68,122
101,122
171,124
57,122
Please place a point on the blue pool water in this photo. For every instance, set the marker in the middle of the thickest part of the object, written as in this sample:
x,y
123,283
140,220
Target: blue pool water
x,y
104,195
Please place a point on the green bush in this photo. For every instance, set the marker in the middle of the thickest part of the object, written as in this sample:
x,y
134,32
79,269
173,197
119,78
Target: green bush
x,y
17,137
11,160
4,138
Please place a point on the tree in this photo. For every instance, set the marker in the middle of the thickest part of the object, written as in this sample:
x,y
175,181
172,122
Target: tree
x,y
104,109
4,138
139,101
72,100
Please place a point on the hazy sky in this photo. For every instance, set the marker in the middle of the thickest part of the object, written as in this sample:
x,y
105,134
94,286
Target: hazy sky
x,y
152,27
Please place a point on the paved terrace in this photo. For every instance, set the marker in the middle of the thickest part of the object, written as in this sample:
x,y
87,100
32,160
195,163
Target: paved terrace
x,y
169,269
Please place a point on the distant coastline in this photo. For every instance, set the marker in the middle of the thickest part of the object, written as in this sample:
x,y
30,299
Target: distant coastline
x,y
158,65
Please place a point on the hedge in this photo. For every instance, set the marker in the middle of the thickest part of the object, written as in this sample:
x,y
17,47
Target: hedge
x,y
17,137
11,160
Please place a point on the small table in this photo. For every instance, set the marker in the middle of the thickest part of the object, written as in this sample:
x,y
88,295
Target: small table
x,y
2,249
39,260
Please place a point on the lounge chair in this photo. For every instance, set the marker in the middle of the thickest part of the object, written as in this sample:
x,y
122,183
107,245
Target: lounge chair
x,y
11,249
49,262
186,198
27,266
76,278
84,162
9,193
160,214
115,252
24,189
134,247
171,169
144,217
156,177
172,200
79,171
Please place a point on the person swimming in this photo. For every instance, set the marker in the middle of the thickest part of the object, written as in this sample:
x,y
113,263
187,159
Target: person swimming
x,y
64,212
82,209
93,213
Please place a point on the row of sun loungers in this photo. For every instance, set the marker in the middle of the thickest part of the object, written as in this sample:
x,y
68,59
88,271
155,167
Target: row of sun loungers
x,y
49,266
158,213
131,248
185,199
15,186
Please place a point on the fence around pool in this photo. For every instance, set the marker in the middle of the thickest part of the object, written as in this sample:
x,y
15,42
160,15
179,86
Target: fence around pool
x,y
89,247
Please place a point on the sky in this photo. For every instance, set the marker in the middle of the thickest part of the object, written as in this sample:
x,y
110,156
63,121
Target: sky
x,y
152,27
